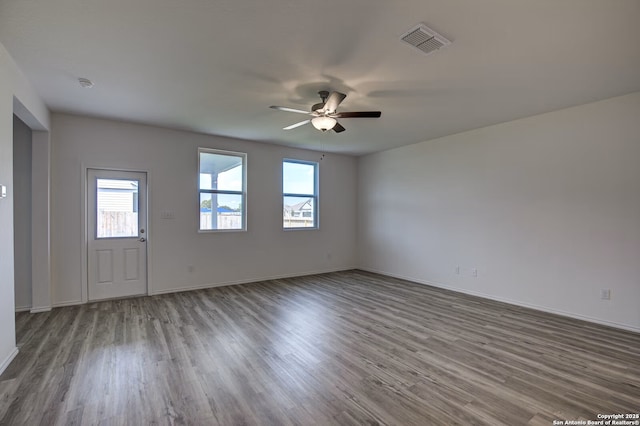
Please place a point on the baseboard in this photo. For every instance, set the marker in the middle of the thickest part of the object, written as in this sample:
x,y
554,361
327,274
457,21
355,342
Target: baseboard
x,y
509,301
23,308
250,280
40,309
221,284
67,303
8,360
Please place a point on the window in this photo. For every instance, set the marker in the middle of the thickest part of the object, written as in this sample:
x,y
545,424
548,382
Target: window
x,y
299,194
222,188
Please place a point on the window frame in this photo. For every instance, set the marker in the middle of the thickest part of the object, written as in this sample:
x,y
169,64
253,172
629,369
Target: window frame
x,y
315,196
242,193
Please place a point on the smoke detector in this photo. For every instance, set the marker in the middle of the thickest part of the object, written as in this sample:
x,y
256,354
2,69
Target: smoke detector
x,y
425,39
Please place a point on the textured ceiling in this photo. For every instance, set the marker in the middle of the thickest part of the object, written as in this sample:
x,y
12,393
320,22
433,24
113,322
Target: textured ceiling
x,y
216,66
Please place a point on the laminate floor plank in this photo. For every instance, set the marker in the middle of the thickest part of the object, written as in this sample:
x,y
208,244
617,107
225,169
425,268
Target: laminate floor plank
x,y
345,348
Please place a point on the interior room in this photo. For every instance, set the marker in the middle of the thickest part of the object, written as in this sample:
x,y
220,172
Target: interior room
x,y
279,212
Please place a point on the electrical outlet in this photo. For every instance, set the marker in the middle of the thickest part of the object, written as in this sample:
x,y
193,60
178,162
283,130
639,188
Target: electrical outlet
x,y
605,294
457,270
191,269
474,272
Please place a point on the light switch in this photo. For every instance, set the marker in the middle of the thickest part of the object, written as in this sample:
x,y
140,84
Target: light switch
x,y
3,191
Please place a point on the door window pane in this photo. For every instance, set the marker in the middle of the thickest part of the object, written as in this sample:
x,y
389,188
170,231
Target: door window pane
x,y
117,208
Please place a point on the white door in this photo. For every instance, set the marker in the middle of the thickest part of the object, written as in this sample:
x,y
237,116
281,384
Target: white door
x,y
117,233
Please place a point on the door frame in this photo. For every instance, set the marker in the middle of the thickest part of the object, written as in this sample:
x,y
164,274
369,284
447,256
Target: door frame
x,y
85,225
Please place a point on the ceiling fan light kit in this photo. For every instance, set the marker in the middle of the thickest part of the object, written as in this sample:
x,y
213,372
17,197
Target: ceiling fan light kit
x,y
323,123
325,113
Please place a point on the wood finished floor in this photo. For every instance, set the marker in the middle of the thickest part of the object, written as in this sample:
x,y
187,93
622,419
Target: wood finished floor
x,y
342,348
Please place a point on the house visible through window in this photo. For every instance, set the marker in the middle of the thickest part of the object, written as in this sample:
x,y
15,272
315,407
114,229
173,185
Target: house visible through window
x,y
117,208
299,194
222,190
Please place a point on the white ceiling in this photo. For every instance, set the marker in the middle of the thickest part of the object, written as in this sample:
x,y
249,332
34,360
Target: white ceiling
x,y
216,66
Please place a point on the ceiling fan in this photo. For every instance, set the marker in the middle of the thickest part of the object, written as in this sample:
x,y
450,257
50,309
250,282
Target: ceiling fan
x,y
324,114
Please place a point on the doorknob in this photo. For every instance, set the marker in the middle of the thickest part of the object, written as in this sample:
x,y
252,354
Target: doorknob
x,y
142,239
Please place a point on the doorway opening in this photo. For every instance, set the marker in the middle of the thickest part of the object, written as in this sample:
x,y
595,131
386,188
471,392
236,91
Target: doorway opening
x,y
22,207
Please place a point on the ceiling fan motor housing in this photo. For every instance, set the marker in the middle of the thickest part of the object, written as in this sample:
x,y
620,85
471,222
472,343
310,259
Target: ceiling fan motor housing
x,y
323,95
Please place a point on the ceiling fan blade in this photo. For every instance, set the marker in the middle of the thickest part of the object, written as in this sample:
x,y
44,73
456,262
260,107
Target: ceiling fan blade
x,y
333,101
286,109
338,128
370,114
293,126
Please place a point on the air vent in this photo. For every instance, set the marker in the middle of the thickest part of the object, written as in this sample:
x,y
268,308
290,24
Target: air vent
x,y
425,39
85,82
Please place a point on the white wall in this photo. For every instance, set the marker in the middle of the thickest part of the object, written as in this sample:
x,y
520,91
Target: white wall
x,y
22,213
170,158
546,208
13,85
